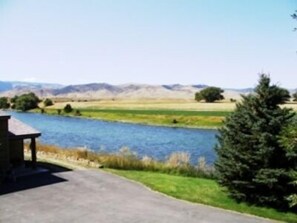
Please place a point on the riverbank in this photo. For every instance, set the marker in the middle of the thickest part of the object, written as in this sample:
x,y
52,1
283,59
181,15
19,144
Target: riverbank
x,y
167,118
177,163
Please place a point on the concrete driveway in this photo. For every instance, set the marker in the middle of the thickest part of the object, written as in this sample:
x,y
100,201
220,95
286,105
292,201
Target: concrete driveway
x,y
96,196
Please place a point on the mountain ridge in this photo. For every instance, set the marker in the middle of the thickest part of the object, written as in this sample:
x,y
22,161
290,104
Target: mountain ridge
x,y
109,91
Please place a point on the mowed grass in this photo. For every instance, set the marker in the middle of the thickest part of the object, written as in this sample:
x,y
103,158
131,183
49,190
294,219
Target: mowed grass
x,y
174,118
200,190
158,112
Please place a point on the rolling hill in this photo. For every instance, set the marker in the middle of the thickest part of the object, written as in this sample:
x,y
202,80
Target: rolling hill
x,y
108,91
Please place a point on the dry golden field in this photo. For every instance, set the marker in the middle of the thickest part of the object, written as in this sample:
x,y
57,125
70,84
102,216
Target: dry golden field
x,y
190,105
186,105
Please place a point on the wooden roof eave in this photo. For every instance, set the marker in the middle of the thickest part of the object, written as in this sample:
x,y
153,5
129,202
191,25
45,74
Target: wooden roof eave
x,y
27,136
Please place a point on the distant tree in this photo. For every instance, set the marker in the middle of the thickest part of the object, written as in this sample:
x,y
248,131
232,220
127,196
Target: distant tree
x,y
59,111
4,104
294,96
48,102
252,164
68,108
26,102
210,94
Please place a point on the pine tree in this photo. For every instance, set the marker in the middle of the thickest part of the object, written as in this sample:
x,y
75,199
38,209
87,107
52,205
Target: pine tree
x,y
251,163
288,140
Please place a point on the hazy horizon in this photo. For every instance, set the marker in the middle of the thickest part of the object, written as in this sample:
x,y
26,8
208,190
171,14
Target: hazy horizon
x,y
216,43
135,83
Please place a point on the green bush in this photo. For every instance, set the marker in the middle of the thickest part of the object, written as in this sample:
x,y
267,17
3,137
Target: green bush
x,y
48,102
68,108
77,113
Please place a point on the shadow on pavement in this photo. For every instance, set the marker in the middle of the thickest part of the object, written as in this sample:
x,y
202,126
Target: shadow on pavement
x,y
42,176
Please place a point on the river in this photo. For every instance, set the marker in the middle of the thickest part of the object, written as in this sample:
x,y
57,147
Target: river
x,y
154,141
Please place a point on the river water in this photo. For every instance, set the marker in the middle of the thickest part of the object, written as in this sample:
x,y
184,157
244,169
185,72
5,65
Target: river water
x,y
154,141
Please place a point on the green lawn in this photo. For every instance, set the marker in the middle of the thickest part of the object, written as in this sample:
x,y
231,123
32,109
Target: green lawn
x,y
194,119
158,112
199,190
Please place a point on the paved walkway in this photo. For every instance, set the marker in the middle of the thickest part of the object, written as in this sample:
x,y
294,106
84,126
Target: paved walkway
x,y
96,196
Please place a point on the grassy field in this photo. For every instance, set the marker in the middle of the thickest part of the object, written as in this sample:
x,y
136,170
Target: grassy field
x,y
174,113
173,118
200,190
176,118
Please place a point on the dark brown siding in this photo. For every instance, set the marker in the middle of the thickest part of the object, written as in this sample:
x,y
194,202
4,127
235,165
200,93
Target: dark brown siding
x,y
16,149
4,146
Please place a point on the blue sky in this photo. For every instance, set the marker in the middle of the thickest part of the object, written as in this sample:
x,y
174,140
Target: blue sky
x,y
225,43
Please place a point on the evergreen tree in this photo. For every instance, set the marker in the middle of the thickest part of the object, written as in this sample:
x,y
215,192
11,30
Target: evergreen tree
x,y
288,140
251,162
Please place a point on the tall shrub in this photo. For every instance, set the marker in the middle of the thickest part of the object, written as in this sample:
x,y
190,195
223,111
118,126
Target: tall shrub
x,y
252,164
